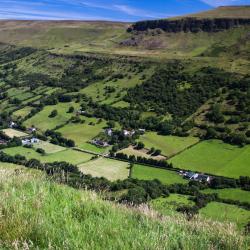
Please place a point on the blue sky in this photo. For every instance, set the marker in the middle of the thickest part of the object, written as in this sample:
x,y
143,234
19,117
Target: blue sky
x,y
117,10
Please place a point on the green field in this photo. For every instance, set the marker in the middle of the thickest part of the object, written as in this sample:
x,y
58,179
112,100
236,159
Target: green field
x,y
110,169
230,193
168,205
82,133
215,157
68,155
42,120
94,149
225,212
142,153
22,112
151,173
169,145
48,147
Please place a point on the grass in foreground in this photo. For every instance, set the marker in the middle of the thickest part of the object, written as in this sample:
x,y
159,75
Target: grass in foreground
x,y
110,169
38,214
150,173
215,157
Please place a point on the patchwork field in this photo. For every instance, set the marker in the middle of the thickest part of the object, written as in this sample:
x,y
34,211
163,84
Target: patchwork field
x,y
48,147
168,205
14,133
42,120
68,155
230,193
151,173
142,153
169,145
225,212
215,157
110,169
83,132
22,112
94,149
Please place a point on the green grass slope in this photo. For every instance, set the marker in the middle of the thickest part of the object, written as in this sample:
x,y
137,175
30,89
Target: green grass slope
x,y
38,214
215,157
225,12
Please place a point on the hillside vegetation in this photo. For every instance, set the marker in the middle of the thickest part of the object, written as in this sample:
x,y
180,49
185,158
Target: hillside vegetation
x,y
225,12
112,38
39,214
130,115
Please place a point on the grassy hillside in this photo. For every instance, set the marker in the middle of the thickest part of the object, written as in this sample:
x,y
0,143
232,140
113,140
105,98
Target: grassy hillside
x,y
40,214
112,38
183,98
225,12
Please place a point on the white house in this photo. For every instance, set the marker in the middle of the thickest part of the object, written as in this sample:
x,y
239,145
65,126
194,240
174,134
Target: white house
x,y
34,140
29,141
128,133
12,124
32,129
109,131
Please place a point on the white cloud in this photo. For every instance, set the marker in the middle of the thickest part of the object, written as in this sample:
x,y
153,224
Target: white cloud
x,y
78,9
217,3
122,8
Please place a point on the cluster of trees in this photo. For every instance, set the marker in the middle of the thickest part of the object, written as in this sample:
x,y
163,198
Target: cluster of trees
x,y
58,139
161,93
139,191
127,117
12,53
53,113
142,160
226,135
190,24
10,142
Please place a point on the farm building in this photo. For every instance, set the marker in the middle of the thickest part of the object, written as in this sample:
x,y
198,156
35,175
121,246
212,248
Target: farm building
x,y
32,129
99,143
195,176
80,112
109,131
30,141
3,142
128,133
12,124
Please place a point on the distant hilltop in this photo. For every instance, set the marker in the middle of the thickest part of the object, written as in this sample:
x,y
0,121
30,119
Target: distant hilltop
x,y
221,18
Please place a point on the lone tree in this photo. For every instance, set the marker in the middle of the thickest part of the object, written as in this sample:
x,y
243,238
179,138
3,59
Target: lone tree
x,y
140,145
53,113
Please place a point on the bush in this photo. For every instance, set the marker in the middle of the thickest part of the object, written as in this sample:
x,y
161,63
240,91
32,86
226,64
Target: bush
x,y
53,113
40,151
